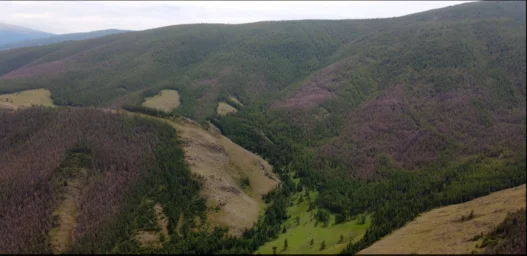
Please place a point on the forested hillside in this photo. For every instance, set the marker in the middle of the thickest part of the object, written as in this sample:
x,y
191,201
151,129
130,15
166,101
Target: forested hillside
x,y
384,117
72,180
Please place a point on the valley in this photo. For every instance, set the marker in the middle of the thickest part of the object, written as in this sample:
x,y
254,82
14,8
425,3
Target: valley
x,y
394,135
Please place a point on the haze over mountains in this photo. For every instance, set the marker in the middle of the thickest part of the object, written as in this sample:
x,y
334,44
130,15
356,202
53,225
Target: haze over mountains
x,y
12,36
12,33
368,123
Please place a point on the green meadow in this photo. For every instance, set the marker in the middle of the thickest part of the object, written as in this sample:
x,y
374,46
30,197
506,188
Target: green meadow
x,y
300,233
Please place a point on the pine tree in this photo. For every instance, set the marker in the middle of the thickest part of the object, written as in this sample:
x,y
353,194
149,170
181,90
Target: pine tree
x,y
285,244
312,242
323,245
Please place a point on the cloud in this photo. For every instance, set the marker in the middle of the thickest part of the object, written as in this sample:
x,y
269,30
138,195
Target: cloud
x,y
76,16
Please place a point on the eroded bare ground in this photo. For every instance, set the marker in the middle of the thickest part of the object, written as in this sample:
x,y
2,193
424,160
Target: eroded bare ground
x,y
66,213
443,231
224,165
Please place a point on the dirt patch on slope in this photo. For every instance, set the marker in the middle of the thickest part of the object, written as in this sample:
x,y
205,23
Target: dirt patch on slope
x,y
161,219
440,231
152,238
66,213
223,165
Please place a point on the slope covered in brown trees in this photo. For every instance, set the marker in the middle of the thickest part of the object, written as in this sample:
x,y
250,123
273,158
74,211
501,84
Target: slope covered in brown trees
x,y
68,174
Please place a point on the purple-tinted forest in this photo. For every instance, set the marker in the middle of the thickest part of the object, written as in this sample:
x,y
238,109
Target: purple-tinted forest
x,y
33,144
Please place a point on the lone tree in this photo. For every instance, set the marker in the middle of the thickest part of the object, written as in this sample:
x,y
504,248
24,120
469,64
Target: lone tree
x,y
274,250
297,220
341,239
285,244
323,245
284,229
312,242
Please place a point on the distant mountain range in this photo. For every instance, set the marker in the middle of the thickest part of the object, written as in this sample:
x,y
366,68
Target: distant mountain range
x,y
11,33
12,36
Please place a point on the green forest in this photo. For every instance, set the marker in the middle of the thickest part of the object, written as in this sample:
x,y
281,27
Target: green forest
x,y
385,118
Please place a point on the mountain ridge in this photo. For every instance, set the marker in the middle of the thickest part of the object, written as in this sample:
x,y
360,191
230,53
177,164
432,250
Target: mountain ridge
x,y
385,117
61,38
13,33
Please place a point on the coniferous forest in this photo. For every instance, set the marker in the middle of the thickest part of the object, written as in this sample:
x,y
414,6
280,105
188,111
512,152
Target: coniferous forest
x,y
385,118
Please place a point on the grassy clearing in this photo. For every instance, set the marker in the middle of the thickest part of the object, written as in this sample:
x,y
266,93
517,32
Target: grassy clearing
x,y
166,100
450,229
224,109
26,99
299,235
235,100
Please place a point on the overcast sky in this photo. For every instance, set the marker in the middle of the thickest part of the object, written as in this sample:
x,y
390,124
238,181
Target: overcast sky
x,y
67,17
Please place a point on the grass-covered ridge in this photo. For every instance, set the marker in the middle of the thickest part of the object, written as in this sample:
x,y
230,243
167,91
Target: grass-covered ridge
x,y
452,229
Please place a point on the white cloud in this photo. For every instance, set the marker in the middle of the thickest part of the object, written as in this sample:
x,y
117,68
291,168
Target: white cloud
x,y
68,17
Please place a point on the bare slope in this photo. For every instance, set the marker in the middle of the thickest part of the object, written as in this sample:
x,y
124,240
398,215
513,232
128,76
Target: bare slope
x,y
224,166
445,230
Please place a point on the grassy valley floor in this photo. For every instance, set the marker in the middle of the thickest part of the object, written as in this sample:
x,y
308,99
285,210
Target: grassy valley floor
x,y
299,234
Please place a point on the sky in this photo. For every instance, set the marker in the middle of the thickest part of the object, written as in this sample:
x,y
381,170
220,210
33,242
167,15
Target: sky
x,y
76,16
